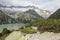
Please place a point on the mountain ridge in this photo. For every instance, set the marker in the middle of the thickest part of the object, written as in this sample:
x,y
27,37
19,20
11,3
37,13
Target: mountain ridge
x,y
43,13
55,15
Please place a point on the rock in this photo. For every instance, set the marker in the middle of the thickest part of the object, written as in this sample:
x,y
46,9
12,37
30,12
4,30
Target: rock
x,y
16,35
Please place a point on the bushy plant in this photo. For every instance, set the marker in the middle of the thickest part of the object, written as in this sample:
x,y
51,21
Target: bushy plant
x,y
5,31
28,30
50,25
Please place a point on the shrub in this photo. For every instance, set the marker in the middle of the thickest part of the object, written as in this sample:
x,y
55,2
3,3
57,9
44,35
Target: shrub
x,y
50,25
5,31
28,30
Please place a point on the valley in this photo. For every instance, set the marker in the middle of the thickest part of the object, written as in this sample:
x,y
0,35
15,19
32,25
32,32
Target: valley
x,y
29,23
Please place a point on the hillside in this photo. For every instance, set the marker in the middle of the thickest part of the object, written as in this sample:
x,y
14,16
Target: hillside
x,y
33,12
5,19
14,9
55,15
21,17
28,16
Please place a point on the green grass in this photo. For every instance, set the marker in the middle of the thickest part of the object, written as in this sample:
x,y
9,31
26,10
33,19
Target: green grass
x,y
28,30
50,25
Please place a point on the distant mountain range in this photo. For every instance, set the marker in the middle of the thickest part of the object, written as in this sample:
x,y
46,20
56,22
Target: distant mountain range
x,y
23,17
26,14
22,14
41,12
55,15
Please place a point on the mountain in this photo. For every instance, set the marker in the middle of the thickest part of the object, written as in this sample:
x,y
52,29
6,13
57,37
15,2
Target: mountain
x,y
5,19
22,14
44,13
55,15
28,16
22,17
33,12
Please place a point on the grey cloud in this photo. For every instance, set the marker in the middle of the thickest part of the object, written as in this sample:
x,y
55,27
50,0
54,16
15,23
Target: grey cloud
x,y
43,4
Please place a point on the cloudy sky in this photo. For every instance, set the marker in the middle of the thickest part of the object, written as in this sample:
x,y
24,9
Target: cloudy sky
x,y
50,5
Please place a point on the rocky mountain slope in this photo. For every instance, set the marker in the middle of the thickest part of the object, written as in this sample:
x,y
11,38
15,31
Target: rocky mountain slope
x,y
24,14
41,12
28,16
5,19
55,15
21,17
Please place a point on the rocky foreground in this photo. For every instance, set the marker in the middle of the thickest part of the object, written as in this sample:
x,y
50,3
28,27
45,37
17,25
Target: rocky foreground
x,y
17,35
